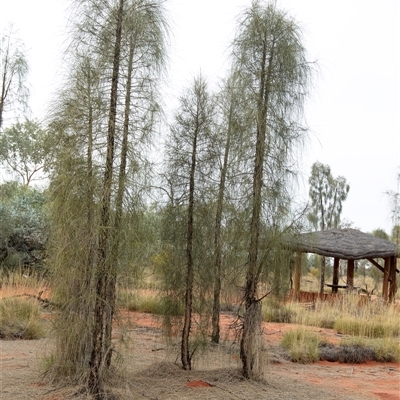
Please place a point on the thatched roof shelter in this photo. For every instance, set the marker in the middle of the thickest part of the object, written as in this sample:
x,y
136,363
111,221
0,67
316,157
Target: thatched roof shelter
x,y
346,244
350,245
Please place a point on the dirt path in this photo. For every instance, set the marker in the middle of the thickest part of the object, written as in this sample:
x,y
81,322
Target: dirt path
x,y
151,372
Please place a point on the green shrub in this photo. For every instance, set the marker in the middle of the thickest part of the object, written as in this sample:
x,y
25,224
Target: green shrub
x,y
20,319
24,227
302,345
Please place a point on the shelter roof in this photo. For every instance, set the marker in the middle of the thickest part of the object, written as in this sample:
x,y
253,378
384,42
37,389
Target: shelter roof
x,y
348,244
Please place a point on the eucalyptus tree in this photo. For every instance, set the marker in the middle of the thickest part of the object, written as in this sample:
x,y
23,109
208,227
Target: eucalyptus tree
x,y
105,117
271,60
189,156
327,195
13,72
26,150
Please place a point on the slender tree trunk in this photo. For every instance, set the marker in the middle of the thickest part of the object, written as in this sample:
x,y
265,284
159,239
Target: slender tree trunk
x,y
250,345
185,350
104,273
217,237
119,200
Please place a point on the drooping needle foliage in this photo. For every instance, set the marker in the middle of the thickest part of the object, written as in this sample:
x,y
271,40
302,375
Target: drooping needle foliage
x,y
104,118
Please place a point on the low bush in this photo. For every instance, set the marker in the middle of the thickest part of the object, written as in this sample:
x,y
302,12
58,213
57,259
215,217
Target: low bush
x,y
360,350
348,354
384,349
20,319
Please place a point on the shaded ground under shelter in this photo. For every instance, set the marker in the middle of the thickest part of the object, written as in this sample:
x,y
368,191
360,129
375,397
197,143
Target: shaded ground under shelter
x,y
350,245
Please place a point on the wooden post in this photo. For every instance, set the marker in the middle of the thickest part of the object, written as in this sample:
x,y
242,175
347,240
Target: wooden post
x,y
335,279
297,274
392,279
385,284
350,274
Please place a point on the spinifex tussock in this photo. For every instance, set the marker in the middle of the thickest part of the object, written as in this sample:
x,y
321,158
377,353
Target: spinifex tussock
x,y
303,345
20,319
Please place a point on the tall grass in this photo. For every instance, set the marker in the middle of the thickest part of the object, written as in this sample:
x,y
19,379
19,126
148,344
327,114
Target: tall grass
x,y
22,278
302,345
373,329
20,316
346,315
20,319
140,302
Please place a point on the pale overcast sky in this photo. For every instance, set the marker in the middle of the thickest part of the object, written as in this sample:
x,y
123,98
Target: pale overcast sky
x,y
354,112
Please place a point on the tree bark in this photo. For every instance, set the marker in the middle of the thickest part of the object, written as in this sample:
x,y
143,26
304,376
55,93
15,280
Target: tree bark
x,y
101,346
185,350
217,237
250,352
111,290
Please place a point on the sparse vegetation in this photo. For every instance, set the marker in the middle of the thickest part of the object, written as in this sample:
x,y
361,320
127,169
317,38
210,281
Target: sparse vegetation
x,y
373,328
221,193
132,301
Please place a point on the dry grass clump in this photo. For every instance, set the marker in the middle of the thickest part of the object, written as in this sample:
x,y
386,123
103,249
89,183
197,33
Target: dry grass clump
x,y
137,302
303,345
20,319
22,278
149,303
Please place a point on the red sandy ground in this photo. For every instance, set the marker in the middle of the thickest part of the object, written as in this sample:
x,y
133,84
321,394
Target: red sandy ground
x,y
381,380
374,380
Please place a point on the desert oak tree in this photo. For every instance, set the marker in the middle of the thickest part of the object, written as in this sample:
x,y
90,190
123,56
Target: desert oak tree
x,y
269,56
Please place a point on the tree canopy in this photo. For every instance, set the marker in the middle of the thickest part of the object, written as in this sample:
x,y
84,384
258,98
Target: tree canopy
x,y
26,150
327,195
